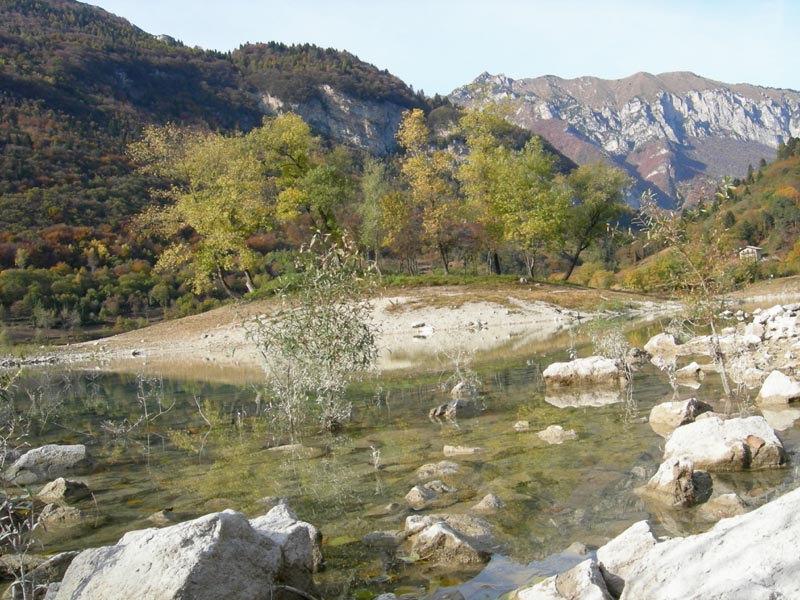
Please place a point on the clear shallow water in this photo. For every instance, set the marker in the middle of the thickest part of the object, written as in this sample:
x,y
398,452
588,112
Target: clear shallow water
x,y
579,491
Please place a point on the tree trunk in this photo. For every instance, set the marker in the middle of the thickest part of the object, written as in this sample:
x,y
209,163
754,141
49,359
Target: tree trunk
x,y
530,264
496,262
377,252
225,285
573,261
443,256
248,281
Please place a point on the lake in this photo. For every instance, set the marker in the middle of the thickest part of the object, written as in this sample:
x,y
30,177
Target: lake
x,y
192,447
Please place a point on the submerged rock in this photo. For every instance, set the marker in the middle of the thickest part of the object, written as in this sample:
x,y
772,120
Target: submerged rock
x,y
781,417
54,516
489,504
64,491
441,469
422,496
456,408
556,434
733,445
461,450
48,462
723,506
586,397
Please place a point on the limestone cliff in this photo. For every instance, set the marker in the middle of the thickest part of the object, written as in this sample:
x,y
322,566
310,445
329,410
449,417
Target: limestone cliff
x,y
676,132
367,124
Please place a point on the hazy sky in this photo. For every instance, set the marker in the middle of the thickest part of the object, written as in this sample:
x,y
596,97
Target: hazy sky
x,y
438,45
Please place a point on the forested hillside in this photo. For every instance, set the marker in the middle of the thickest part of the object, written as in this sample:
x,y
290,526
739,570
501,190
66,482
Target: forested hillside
x,y
761,211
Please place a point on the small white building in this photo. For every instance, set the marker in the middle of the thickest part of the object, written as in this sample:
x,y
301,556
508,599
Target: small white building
x,y
750,253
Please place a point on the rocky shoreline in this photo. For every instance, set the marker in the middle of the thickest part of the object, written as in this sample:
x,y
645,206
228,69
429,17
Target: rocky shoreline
x,y
746,554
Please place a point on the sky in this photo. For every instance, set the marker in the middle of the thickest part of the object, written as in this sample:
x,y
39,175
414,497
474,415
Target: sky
x,y
439,45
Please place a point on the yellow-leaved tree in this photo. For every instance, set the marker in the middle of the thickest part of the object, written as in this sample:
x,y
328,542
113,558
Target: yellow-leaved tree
x,y
224,189
429,174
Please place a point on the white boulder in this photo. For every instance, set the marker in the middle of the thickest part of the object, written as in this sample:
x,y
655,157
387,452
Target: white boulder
x,y
300,544
617,559
449,539
668,416
751,556
584,581
732,445
64,491
676,484
584,371
221,555
49,462
779,388
663,350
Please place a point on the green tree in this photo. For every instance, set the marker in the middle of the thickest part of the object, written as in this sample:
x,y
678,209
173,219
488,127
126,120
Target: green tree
x,y
481,176
374,188
513,194
598,193
402,226
316,184
219,190
429,175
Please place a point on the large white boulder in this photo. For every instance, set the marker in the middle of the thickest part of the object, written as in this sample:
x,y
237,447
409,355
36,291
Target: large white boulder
x,y
779,388
48,462
221,555
732,445
300,544
617,558
663,350
751,556
584,371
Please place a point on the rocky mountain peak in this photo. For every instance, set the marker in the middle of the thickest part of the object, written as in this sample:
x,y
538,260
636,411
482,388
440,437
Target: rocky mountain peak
x,y
675,132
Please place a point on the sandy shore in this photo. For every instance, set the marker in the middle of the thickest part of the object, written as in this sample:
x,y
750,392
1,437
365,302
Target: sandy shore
x,y
419,329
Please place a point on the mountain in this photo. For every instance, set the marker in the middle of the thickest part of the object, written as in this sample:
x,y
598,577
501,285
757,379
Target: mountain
x,y
78,83
676,132
340,96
